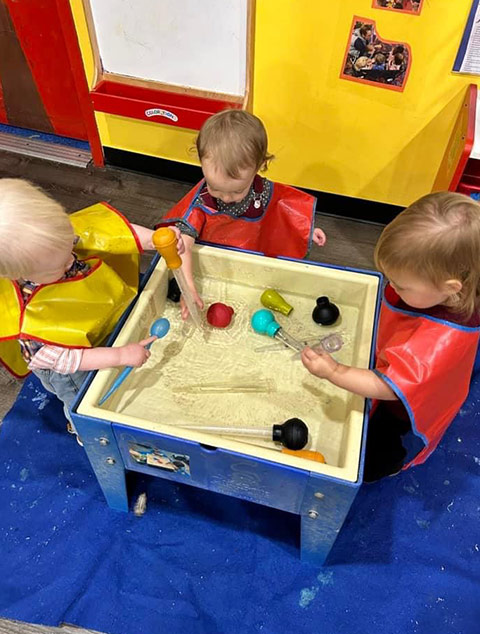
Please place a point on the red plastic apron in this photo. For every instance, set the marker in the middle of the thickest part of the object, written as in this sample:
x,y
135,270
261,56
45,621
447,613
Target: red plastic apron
x,y
428,363
285,228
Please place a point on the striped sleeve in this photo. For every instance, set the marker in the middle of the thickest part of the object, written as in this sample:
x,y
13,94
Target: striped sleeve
x,y
61,360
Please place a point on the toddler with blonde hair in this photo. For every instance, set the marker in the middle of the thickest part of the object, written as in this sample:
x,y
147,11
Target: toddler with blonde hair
x,y
64,283
427,336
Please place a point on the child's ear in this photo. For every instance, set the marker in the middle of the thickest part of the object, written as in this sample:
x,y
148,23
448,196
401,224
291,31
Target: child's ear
x,y
453,286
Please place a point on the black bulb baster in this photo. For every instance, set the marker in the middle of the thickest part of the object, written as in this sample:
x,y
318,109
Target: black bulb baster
x,y
292,434
325,312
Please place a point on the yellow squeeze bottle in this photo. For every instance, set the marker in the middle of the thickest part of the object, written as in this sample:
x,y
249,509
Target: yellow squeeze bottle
x,y
165,241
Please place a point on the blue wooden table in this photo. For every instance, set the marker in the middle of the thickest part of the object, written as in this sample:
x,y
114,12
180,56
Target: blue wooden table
x,y
321,501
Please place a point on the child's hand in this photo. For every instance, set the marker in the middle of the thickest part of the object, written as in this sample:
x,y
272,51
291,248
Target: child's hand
x,y
180,243
145,237
318,362
319,237
196,298
135,354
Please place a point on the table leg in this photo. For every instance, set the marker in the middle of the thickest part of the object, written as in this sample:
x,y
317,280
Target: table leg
x,y
323,512
102,450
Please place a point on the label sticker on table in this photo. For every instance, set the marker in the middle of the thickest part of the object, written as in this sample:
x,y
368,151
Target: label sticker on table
x,y
152,456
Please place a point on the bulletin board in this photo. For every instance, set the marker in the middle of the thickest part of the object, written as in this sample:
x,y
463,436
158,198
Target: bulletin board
x,y
182,63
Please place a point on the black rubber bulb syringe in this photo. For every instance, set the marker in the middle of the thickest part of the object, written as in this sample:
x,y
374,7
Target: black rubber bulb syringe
x,y
292,434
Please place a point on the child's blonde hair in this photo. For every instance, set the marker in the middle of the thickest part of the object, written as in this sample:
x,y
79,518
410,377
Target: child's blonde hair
x,y
234,140
29,221
437,239
361,62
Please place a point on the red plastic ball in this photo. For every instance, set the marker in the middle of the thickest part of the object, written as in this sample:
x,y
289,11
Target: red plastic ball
x,y
219,315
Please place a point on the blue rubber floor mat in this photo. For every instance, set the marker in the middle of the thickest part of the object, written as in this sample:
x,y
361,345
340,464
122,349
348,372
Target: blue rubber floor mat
x,y
43,136
406,560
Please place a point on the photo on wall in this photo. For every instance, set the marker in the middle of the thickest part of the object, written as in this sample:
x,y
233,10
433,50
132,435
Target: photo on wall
x,y
373,60
401,6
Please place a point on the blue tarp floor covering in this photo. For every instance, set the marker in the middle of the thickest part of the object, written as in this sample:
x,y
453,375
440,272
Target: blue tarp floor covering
x,y
407,559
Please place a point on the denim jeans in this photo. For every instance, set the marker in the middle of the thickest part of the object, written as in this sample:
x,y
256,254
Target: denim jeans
x,y
64,386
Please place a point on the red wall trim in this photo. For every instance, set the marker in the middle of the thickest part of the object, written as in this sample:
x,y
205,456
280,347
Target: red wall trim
x,y
80,81
147,104
469,135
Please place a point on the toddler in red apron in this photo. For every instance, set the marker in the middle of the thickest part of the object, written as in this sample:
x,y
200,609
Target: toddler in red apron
x,y
234,206
428,332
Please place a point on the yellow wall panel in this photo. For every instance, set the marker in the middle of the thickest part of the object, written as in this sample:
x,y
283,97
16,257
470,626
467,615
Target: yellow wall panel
x,y
83,39
144,137
328,133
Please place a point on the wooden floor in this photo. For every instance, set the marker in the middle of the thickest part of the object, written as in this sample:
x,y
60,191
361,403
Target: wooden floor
x,y
144,199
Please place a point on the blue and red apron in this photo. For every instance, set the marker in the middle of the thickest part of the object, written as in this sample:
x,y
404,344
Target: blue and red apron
x,y
284,229
428,363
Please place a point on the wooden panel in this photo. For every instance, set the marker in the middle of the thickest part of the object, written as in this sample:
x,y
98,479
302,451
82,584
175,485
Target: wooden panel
x,y
37,26
16,627
22,102
3,112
